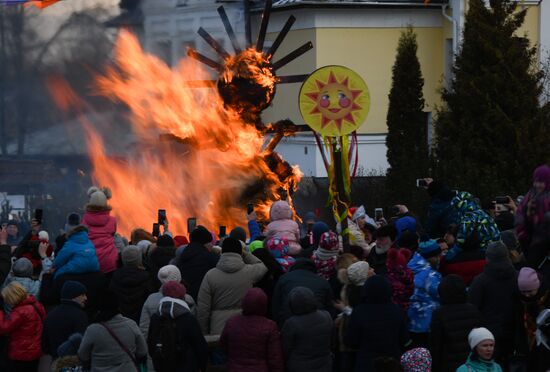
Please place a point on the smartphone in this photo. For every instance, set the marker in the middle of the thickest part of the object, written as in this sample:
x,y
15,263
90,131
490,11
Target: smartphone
x,y
161,216
378,214
223,232
191,224
421,182
156,230
38,214
502,200
249,208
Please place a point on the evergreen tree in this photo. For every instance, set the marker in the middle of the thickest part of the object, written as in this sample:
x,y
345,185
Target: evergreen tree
x,y
407,129
491,132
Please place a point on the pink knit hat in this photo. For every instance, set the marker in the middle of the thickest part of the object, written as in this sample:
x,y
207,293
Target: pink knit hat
x,y
528,280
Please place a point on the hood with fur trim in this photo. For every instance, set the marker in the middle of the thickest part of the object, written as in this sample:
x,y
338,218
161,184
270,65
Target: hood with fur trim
x,y
280,210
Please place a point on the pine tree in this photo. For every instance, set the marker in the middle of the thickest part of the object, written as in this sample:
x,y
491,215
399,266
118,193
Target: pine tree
x,y
407,130
491,131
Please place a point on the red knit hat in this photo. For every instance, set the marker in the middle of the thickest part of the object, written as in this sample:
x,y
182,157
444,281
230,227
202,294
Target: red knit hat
x,y
180,240
174,289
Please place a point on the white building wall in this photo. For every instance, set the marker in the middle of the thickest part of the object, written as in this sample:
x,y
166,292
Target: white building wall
x,y
544,36
302,150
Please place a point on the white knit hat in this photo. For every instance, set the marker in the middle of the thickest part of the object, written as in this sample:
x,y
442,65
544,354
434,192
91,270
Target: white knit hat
x,y
169,273
478,335
43,235
358,273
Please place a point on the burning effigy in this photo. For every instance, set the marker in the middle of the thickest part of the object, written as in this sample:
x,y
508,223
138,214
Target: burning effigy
x,y
201,149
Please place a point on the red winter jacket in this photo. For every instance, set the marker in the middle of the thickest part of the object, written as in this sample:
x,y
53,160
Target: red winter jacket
x,y
401,278
101,231
24,327
465,264
251,341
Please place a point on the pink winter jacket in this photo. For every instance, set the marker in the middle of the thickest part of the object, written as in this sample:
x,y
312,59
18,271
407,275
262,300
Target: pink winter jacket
x,y
282,226
102,228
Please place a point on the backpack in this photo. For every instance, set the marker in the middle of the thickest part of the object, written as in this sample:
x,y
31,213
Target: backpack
x,y
166,345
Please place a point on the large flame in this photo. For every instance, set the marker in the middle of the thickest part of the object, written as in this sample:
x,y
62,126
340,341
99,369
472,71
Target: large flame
x,y
212,169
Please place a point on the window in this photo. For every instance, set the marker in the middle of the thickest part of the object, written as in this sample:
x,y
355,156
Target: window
x,y
163,50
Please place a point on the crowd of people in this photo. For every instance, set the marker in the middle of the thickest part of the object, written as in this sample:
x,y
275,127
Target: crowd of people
x,y
465,289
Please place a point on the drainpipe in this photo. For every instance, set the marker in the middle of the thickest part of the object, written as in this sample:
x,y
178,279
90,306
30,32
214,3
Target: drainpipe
x,y
247,26
455,32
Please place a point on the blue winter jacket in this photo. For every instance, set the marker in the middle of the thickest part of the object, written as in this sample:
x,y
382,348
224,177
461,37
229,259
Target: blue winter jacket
x,y
425,298
77,256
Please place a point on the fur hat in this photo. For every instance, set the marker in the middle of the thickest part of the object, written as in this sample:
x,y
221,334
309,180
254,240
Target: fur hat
x,y
22,267
358,273
132,256
169,273
478,335
98,197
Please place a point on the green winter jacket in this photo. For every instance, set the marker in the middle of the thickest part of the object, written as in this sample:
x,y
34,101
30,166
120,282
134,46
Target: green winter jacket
x,y
479,366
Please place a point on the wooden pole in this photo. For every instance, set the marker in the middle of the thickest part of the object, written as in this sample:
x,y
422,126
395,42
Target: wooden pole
x,y
341,197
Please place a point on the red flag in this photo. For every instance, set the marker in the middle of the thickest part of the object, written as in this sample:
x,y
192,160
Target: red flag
x,y
41,4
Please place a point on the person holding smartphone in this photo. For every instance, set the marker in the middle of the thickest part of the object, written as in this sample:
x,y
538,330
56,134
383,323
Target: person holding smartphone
x,y
441,213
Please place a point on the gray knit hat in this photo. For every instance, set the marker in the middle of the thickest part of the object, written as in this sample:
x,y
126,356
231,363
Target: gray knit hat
x,y
497,253
22,267
169,273
132,256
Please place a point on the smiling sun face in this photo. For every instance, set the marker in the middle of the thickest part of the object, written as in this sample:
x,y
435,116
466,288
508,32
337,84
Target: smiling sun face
x,y
334,101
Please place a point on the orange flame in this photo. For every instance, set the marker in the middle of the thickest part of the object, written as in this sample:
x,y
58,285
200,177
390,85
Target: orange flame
x,y
205,174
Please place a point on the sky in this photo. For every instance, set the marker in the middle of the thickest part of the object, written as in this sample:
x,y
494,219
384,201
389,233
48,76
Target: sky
x,y
50,18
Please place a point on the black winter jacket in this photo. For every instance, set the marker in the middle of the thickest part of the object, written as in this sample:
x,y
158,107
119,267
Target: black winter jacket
x,y
495,293
307,334
161,256
60,323
377,327
451,324
194,263
96,284
302,274
5,262
378,261
194,356
132,287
